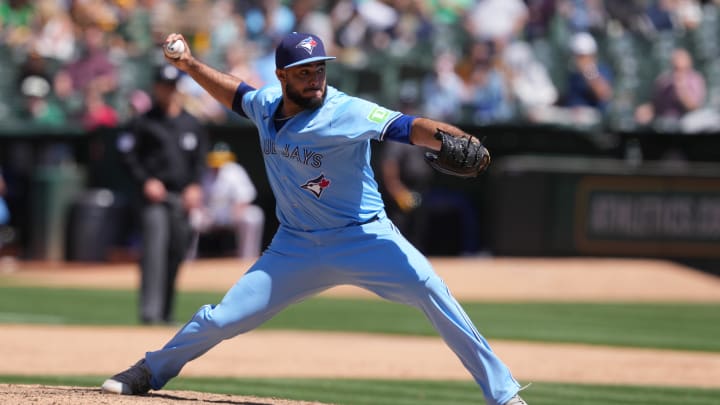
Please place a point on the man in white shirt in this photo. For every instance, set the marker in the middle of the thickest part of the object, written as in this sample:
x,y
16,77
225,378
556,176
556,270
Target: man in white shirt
x,y
229,193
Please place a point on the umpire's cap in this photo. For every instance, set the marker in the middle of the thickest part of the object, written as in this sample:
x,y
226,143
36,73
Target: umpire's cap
x,y
167,74
299,48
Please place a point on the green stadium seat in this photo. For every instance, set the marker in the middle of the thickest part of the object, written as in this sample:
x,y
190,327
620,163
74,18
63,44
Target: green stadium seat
x,y
704,39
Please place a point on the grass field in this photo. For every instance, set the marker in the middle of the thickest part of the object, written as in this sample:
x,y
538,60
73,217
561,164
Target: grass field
x,y
650,325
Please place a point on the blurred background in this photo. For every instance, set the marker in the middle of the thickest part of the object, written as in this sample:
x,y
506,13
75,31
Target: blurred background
x,y
603,117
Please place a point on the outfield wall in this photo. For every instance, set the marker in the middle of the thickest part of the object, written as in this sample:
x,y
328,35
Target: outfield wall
x,y
550,191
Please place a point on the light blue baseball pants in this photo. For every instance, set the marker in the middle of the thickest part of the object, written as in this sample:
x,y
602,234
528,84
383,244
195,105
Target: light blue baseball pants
x,y
297,265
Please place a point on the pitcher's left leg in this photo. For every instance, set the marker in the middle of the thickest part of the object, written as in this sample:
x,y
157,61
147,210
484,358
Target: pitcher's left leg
x,y
399,272
453,324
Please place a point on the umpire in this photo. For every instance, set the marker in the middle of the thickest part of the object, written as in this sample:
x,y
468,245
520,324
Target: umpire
x,y
165,151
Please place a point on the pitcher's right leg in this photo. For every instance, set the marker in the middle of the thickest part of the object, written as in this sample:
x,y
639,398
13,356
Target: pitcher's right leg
x,y
275,281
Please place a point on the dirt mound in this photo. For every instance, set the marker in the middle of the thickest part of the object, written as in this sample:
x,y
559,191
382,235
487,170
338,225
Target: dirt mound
x,y
15,394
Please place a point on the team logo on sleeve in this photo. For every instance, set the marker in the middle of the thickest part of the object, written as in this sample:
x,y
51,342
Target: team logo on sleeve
x,y
307,44
378,115
317,185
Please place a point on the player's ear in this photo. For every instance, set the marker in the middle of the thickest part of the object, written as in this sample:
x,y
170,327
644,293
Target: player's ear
x,y
280,73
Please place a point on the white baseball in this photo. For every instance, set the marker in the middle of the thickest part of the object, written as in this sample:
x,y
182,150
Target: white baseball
x,y
175,49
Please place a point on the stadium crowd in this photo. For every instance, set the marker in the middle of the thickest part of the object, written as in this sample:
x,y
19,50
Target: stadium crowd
x,y
586,63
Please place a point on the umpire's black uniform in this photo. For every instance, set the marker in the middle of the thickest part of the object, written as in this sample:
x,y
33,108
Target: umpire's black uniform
x,y
169,145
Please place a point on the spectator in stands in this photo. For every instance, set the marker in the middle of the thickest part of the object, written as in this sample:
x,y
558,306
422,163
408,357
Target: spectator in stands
x,y
135,28
198,103
55,35
449,13
164,16
309,17
678,98
365,28
350,31
227,30
414,25
445,89
688,13
646,18
98,113
369,26
39,107
532,88
16,18
97,13
64,32
38,104
497,21
488,96
34,65
228,196
267,20
540,15
589,82
660,15
92,68
630,15
196,17
583,15
238,60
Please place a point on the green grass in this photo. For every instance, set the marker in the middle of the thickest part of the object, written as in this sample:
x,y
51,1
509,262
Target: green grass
x,y
396,392
653,325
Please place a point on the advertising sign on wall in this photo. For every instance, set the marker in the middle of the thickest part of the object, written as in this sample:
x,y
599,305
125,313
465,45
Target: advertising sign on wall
x,y
638,215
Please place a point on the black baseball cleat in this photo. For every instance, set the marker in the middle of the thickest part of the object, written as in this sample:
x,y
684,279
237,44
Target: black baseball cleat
x,y
133,381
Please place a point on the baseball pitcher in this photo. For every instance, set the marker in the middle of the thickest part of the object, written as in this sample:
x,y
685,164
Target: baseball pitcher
x,y
333,230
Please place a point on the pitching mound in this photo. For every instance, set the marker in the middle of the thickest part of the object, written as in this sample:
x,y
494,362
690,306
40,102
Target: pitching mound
x,y
14,394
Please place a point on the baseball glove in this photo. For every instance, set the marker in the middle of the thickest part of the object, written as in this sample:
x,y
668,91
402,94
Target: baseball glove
x,y
459,156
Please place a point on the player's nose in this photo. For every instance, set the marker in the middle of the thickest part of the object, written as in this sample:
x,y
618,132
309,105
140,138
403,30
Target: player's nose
x,y
317,78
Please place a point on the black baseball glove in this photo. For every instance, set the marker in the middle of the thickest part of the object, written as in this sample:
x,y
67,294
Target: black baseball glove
x,y
459,156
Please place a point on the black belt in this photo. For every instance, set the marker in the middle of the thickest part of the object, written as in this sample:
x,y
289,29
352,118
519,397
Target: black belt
x,y
373,219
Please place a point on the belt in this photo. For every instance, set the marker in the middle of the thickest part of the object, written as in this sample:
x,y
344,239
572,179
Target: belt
x,y
373,219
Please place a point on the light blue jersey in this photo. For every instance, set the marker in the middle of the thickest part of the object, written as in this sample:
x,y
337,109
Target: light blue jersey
x,y
333,231
318,163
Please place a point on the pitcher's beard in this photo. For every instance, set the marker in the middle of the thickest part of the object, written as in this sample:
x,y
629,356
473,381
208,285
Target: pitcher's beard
x,y
307,103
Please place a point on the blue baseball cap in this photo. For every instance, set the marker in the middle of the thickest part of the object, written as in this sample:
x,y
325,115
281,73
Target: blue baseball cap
x,y
299,48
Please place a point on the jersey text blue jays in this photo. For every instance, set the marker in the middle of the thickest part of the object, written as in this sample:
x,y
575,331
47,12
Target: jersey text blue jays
x,y
303,155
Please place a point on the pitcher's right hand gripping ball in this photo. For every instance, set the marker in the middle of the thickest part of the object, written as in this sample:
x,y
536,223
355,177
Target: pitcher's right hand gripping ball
x,y
463,156
174,49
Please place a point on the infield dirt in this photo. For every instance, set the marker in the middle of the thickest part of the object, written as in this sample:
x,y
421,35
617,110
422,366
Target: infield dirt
x,y
61,350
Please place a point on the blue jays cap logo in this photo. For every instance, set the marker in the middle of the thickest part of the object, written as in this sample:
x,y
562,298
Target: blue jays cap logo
x,y
317,185
299,48
307,44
